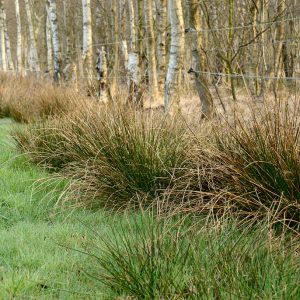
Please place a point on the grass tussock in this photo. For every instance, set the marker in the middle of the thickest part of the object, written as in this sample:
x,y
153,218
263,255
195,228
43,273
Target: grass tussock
x,y
251,167
115,154
262,157
172,258
27,99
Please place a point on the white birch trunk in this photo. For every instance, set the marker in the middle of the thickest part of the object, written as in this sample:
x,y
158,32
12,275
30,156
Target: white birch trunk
x,y
132,26
102,71
10,63
135,91
55,40
49,44
87,35
162,35
125,52
2,38
19,38
34,60
176,52
25,54
152,63
132,67
115,35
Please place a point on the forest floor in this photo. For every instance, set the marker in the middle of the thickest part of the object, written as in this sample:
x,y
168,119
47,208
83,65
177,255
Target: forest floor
x,y
38,257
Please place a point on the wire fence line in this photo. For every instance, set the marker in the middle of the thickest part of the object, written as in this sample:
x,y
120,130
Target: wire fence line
x,y
205,30
212,74
247,76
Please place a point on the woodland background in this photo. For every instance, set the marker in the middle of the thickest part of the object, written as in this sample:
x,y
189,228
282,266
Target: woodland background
x,y
157,48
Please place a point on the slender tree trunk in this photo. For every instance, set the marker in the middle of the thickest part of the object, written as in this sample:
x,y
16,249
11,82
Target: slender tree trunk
x,y
2,38
141,37
19,38
87,36
132,26
278,50
218,57
199,60
115,13
49,44
162,38
25,53
176,53
133,61
125,52
10,63
55,40
288,54
230,52
102,71
33,48
152,65
67,33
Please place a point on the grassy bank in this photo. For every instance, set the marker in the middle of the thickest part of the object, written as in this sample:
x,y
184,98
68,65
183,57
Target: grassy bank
x,y
139,255
36,260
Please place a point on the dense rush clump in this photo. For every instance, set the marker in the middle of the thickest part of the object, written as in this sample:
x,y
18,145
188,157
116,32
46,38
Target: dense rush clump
x,y
263,162
115,155
250,167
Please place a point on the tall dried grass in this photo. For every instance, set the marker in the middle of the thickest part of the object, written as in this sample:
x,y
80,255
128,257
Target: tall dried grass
x,y
27,99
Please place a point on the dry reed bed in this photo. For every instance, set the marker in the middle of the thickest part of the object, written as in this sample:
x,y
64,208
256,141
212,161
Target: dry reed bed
x,y
28,99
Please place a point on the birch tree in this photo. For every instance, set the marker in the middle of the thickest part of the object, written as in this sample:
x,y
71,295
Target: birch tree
x,y
199,63
116,33
2,38
152,65
162,35
102,72
34,59
87,36
275,72
49,43
141,34
55,39
19,37
171,97
133,60
9,61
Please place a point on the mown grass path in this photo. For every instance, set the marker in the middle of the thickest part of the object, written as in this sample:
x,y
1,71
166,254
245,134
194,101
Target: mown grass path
x,y
37,260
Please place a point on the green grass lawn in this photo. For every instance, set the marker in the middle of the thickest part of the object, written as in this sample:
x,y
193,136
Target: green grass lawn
x,y
36,242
